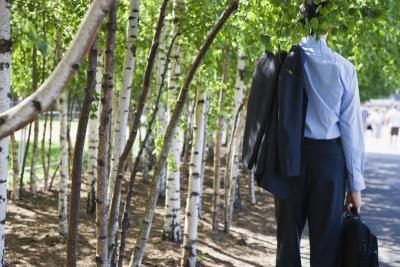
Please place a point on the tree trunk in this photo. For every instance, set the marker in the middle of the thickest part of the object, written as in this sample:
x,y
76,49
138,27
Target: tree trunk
x,y
218,145
5,99
49,142
93,139
15,189
189,253
187,145
32,176
122,115
43,152
172,224
114,207
236,133
141,241
64,170
203,160
72,241
143,145
104,139
29,109
21,179
163,107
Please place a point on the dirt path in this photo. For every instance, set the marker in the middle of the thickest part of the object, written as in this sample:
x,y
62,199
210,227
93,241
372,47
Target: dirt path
x,y
32,238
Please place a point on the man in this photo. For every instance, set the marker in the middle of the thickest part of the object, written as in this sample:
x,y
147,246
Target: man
x,y
393,120
332,156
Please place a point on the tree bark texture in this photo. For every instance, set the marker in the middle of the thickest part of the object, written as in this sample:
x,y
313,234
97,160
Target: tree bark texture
x,y
127,206
93,138
73,220
137,255
64,169
30,108
5,99
15,189
235,142
104,140
43,152
218,145
123,111
32,174
189,253
163,106
172,222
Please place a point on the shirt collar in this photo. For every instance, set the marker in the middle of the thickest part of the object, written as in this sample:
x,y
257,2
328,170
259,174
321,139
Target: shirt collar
x,y
311,41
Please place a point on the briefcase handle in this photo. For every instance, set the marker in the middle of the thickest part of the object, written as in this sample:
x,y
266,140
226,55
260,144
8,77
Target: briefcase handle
x,y
353,213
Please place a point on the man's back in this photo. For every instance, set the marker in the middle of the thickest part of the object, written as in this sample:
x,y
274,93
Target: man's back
x,y
327,76
333,108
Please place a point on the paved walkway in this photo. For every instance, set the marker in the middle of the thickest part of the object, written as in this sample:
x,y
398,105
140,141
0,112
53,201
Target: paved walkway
x,y
381,210
381,207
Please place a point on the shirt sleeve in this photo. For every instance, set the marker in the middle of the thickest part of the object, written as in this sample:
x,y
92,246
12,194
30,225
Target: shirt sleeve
x,y
352,135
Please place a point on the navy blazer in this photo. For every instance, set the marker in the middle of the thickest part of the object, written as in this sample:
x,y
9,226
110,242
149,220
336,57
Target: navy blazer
x,y
275,121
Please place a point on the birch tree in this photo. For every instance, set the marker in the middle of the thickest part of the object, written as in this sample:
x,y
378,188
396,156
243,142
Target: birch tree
x,y
163,106
73,220
218,144
15,191
121,120
30,108
32,176
172,230
5,80
104,139
235,142
189,253
123,111
137,255
64,169
93,138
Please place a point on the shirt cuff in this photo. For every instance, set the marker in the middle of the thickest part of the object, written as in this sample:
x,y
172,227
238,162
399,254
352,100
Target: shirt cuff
x,y
355,183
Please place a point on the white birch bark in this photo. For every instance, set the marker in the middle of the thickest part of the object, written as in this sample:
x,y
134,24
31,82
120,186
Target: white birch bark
x,y
5,79
252,190
35,148
172,222
121,120
162,118
203,162
15,184
235,157
30,108
93,138
123,111
193,197
64,168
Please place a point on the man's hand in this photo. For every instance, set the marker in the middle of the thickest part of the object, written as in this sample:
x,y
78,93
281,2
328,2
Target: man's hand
x,y
353,199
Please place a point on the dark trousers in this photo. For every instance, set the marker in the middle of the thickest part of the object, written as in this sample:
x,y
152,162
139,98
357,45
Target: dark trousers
x,y
317,195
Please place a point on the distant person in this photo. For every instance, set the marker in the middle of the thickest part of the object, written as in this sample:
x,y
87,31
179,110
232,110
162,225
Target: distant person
x,y
377,120
364,115
393,120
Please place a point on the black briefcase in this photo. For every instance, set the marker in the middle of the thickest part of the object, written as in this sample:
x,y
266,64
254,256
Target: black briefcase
x,y
359,247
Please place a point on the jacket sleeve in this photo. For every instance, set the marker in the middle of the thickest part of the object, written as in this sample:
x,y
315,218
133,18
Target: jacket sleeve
x,y
259,107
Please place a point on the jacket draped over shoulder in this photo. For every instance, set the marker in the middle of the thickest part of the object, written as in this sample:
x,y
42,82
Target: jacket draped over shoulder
x,y
275,121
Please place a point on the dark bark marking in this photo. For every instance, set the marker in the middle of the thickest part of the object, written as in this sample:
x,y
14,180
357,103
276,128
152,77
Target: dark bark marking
x,y
5,46
75,66
37,105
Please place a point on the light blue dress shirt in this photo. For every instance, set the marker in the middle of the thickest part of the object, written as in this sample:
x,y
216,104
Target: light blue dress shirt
x,y
333,108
